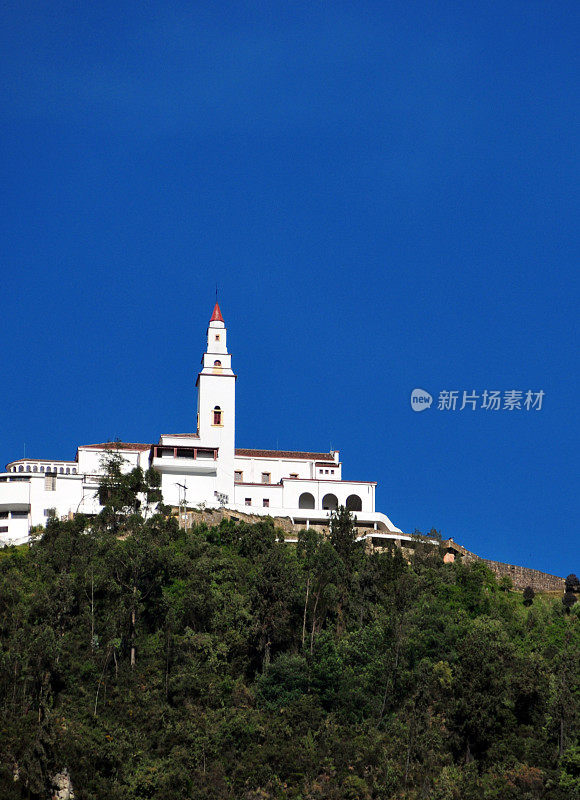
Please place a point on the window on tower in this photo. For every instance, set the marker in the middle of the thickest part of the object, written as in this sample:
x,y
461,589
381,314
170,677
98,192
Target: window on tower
x,y
217,416
217,363
265,477
238,476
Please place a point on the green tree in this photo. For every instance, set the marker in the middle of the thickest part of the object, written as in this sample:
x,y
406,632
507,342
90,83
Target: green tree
x,y
151,661
122,492
327,570
343,535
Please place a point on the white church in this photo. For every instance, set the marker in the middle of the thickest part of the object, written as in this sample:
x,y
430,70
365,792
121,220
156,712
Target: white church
x,y
204,468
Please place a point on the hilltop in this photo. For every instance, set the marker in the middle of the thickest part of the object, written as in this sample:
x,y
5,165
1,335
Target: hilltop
x,y
143,660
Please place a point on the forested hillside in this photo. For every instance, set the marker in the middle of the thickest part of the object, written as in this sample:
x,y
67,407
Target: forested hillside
x,y
214,663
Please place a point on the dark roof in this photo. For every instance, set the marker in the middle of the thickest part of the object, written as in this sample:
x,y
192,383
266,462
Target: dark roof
x,y
53,460
116,446
328,457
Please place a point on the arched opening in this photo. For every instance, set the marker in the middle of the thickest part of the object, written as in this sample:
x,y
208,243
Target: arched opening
x,y
354,503
42,468
68,470
330,502
217,415
74,470
35,468
306,500
61,470
217,363
21,468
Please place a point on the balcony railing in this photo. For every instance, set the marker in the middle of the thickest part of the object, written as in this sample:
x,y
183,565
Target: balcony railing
x,y
192,460
195,453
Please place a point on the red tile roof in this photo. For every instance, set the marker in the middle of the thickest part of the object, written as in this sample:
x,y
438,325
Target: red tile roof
x,y
240,451
45,460
217,314
141,446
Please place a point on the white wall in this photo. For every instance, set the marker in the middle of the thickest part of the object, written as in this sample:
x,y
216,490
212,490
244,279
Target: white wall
x,y
73,492
253,466
341,489
64,499
200,489
31,495
89,460
217,387
257,495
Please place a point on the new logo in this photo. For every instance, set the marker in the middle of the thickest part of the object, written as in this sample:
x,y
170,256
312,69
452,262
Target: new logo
x,y
420,400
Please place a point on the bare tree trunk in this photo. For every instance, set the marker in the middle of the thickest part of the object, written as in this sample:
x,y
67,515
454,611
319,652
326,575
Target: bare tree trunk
x,y
468,756
15,684
168,642
100,682
313,622
92,609
391,682
305,607
133,626
267,644
409,744
339,618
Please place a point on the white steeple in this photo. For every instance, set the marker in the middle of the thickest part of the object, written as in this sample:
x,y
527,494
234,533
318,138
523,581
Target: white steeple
x,y
216,402
216,359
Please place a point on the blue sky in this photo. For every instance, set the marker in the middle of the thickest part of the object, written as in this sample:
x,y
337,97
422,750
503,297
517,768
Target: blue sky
x,y
387,196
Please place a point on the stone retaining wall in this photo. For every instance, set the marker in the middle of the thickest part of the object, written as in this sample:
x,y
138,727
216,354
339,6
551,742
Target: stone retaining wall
x,y
520,576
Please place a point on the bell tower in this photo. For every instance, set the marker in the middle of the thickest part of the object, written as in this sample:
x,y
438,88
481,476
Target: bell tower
x,y
216,403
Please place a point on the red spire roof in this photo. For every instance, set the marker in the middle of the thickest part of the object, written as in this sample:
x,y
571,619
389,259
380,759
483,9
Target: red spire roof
x,y
217,314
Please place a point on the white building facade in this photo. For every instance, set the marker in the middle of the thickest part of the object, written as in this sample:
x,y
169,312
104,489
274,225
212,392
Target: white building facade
x,y
199,469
